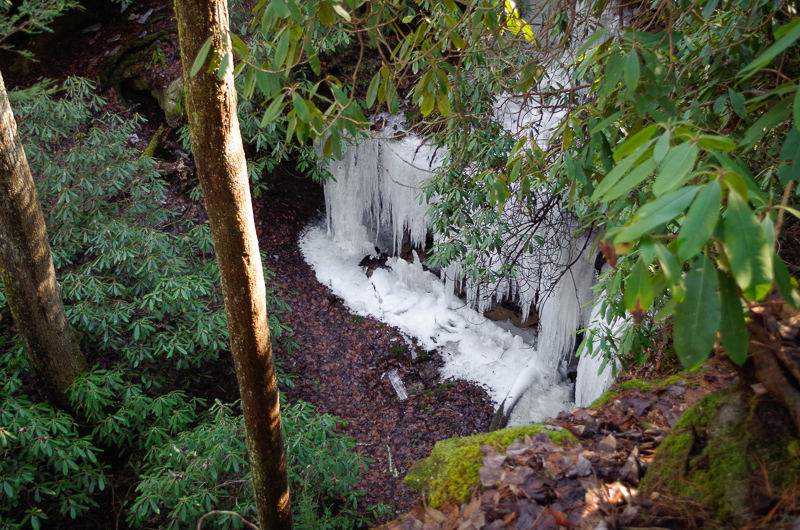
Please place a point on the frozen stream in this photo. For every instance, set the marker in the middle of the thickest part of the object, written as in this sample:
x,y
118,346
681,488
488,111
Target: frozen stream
x,y
417,302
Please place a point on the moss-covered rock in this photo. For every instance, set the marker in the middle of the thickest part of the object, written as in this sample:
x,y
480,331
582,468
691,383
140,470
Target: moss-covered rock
x,y
719,455
644,385
169,99
451,472
155,142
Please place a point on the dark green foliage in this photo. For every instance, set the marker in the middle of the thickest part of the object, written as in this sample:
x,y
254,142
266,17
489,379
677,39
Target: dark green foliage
x,y
125,417
29,17
674,136
683,193
43,456
206,468
133,281
140,286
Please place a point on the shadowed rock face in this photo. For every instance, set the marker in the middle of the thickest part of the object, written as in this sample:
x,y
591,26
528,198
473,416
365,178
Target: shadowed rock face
x,y
500,313
169,99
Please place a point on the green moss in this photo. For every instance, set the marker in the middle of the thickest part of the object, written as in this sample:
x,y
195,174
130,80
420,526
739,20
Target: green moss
x,y
155,141
607,397
644,385
451,472
673,458
714,457
699,414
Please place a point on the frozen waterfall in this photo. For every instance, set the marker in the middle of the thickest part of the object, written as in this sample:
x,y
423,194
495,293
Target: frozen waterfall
x,y
374,201
374,205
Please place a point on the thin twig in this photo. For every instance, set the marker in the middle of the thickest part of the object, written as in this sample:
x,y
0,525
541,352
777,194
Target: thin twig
x,y
244,521
784,203
122,504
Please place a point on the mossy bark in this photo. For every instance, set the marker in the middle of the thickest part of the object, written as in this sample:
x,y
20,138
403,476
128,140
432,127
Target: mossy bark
x,y
725,455
221,167
773,353
27,270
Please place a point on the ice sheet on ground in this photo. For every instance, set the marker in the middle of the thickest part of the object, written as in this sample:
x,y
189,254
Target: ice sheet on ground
x,y
417,302
397,383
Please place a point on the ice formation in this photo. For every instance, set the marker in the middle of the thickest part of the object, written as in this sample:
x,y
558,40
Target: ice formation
x,y
593,382
565,311
397,383
417,302
376,189
375,201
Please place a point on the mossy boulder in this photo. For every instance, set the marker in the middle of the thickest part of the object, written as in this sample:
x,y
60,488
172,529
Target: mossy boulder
x,y
169,99
725,453
451,472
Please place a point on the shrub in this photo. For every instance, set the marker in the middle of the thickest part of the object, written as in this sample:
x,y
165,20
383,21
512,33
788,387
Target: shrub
x,y
139,285
43,457
137,280
206,469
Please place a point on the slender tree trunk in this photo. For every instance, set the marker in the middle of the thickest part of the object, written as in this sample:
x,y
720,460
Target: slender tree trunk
x,y
26,266
221,166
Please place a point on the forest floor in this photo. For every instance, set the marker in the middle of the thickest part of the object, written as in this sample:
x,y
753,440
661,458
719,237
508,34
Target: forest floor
x,y
589,483
343,358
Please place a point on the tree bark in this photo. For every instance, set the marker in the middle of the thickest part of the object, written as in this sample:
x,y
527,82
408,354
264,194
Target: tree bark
x,y
221,166
27,270
774,353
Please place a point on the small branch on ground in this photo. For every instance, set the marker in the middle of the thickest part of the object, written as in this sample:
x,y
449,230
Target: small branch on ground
x,y
244,521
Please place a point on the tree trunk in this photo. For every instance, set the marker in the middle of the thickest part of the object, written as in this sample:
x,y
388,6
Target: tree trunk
x,y
26,267
774,353
221,166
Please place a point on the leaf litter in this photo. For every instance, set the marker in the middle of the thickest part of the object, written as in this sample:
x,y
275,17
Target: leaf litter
x,y
344,363
536,484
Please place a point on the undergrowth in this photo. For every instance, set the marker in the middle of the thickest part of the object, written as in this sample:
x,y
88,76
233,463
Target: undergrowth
x,y
140,287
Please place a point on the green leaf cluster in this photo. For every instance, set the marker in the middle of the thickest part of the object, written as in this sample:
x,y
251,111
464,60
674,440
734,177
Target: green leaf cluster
x,y
206,468
44,457
136,279
140,284
29,17
690,167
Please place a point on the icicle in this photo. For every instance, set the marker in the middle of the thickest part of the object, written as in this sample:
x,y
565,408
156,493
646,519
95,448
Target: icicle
x,y
375,201
564,312
590,384
378,182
